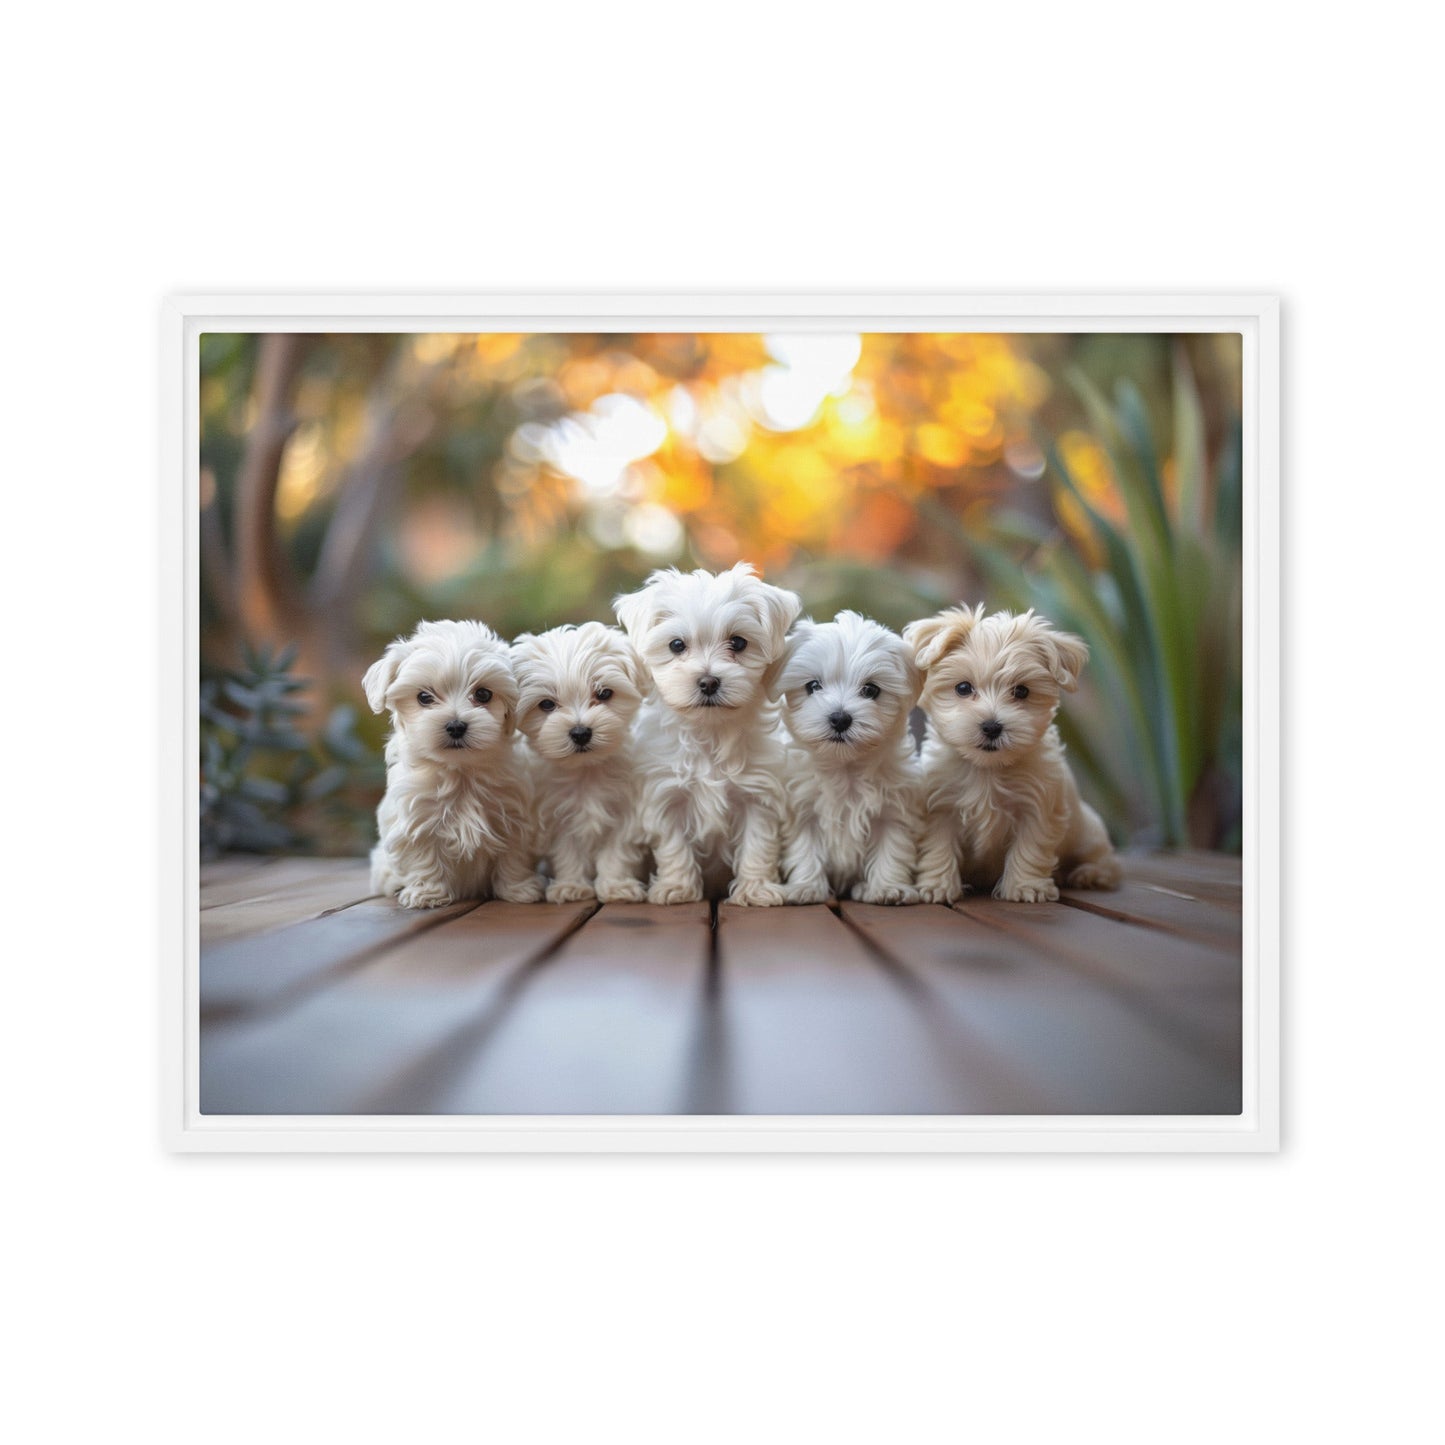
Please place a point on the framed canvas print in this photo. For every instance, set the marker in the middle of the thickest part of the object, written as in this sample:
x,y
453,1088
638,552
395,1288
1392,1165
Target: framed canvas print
x,y
727,723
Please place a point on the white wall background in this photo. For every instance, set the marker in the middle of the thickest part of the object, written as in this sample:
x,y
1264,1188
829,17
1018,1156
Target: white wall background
x,y
1110,146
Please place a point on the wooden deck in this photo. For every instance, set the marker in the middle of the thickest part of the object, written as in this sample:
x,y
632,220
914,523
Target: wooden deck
x,y
316,999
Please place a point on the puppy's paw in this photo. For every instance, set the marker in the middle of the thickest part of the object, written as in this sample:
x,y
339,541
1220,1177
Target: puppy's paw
x,y
423,895
622,890
889,893
946,890
1028,890
1099,873
558,892
526,890
756,893
804,893
672,890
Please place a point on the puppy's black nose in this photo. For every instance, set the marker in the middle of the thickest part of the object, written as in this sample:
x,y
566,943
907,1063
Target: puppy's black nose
x,y
841,721
456,728
991,729
580,735
708,685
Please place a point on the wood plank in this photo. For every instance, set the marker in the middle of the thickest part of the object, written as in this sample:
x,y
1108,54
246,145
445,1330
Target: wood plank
x,y
811,1020
1194,864
267,969
386,1037
610,1024
1192,990
303,900
1216,877
230,865
1071,1045
278,876
1172,910
339,1006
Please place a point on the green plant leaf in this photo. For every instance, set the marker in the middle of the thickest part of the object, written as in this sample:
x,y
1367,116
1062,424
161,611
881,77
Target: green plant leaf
x,y
1144,504
1190,466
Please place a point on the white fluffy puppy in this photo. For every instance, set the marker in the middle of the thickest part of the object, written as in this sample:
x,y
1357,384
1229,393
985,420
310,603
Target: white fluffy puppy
x,y
578,690
456,818
713,798
1004,811
855,801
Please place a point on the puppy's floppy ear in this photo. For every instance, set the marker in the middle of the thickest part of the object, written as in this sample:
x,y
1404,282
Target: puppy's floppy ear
x,y
803,629
1066,656
508,695
633,664
778,609
930,637
382,673
618,646
522,649
773,676
636,611
913,679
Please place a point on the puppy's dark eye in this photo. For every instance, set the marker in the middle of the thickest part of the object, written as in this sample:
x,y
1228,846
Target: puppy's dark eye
x,y
869,689
546,705
738,644
603,693
678,645
813,686
481,696
1021,692
425,698
964,689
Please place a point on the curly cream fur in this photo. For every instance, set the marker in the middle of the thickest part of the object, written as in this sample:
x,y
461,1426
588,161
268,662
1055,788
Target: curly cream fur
x,y
712,762
855,802
456,819
579,690
1003,810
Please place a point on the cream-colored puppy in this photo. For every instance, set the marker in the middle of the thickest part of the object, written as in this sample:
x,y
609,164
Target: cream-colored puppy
x,y
713,798
456,818
855,801
579,688
1004,811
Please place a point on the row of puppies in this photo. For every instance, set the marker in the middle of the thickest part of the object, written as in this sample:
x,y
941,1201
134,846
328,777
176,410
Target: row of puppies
x,y
662,742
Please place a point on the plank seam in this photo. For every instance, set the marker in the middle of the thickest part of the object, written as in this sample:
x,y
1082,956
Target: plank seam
x,y
705,1085
920,989
1177,1025
368,953
474,1032
1115,915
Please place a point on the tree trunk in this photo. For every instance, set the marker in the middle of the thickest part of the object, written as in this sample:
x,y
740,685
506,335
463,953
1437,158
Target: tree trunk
x,y
267,595
398,420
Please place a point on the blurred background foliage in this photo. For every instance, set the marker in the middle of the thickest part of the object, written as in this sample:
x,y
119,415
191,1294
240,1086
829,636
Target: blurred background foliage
x,y
354,484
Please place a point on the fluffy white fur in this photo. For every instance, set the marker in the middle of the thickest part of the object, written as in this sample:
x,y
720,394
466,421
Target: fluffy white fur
x,y
1004,811
711,752
578,691
456,818
855,800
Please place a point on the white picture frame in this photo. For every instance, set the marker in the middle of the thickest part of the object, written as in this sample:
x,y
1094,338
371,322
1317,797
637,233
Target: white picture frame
x,y
184,318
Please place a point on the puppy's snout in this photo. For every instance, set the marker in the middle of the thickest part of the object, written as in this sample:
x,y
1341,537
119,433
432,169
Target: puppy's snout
x,y
708,685
991,729
580,735
841,721
456,728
